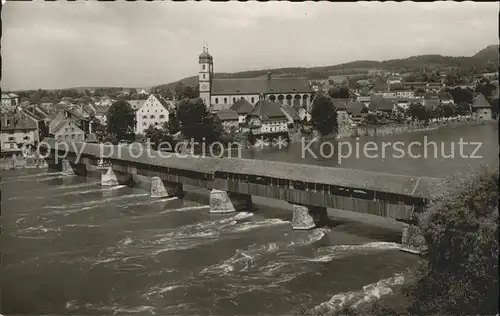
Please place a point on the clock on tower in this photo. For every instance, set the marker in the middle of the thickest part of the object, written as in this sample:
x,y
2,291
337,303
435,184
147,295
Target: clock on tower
x,y
204,87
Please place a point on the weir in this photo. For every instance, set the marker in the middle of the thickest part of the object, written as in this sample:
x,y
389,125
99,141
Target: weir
x,y
309,189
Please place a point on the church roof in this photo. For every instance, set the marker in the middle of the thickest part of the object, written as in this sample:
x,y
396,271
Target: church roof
x,y
259,85
481,102
242,106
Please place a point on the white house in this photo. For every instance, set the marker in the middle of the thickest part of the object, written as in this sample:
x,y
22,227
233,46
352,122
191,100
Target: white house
x,y
155,111
481,108
269,116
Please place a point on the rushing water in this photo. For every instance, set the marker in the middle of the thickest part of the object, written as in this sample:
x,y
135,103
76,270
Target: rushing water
x,y
70,246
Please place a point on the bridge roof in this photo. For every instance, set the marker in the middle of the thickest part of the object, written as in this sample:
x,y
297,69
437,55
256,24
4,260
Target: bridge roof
x,y
343,177
381,182
132,154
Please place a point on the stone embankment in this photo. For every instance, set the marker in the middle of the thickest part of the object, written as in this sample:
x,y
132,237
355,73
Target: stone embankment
x,y
22,163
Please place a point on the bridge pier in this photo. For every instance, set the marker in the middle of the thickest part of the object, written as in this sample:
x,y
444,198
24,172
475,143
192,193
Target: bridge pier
x,y
161,189
109,177
71,169
412,239
307,217
228,202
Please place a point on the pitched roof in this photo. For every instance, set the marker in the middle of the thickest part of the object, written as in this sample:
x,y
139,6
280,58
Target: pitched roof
x,y
354,108
163,101
380,103
102,110
290,111
227,115
61,125
363,98
135,104
443,95
340,103
267,110
91,138
242,106
431,103
481,102
17,121
46,99
259,85
79,113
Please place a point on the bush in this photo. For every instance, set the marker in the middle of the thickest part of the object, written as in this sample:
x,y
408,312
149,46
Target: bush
x,y
459,272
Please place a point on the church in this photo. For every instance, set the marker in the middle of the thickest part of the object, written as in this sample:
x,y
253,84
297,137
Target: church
x,y
221,94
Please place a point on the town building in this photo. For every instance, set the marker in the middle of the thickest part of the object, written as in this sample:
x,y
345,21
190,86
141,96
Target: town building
x,y
413,85
268,118
445,97
17,130
291,114
219,94
481,108
356,111
380,104
155,111
402,103
242,107
343,119
364,99
431,103
68,130
101,114
10,99
229,120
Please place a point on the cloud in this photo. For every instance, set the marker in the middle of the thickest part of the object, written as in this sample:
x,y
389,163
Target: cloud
x,y
60,44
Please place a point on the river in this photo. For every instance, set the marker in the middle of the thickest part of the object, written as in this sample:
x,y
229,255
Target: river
x,y
70,246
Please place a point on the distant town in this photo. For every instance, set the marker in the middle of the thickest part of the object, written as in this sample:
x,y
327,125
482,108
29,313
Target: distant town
x,y
267,106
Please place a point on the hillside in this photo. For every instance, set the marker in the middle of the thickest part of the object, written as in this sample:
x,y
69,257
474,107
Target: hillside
x,y
485,60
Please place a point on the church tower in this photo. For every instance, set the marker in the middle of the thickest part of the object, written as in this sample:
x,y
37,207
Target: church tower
x,y
205,77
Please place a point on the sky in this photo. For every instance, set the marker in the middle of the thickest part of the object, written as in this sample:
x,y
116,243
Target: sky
x,y
52,45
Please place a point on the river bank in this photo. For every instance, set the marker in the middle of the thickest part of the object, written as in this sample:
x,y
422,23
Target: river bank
x,y
383,130
22,163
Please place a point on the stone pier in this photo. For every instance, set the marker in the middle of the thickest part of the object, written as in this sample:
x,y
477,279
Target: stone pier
x,y
412,239
67,169
307,217
109,177
71,169
227,202
161,189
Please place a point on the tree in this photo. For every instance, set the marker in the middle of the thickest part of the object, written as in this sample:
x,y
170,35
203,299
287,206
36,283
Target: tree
x,y
461,95
121,121
463,108
459,271
339,93
417,112
197,123
324,115
179,91
172,126
371,119
98,129
157,136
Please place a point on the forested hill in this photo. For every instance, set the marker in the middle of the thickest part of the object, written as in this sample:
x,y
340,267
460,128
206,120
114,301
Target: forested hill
x,y
485,60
